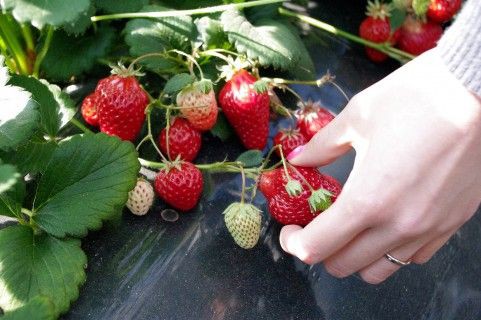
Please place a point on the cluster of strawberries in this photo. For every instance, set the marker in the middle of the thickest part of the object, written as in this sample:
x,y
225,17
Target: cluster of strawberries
x,y
417,34
295,195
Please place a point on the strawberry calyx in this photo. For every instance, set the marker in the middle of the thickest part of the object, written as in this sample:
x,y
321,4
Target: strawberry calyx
x,y
289,133
124,72
173,164
320,200
294,188
378,10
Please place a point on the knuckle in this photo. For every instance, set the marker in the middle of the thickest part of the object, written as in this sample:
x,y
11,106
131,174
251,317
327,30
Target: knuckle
x,y
368,209
410,228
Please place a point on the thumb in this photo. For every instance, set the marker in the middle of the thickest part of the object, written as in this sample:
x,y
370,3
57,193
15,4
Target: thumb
x,y
327,145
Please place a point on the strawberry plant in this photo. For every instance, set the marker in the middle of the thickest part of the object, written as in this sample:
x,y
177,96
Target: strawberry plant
x,y
70,164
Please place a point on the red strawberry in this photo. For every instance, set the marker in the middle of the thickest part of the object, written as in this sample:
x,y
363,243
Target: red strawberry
x,y
288,209
246,109
312,118
89,110
184,141
376,28
289,140
121,105
443,10
418,37
199,108
180,185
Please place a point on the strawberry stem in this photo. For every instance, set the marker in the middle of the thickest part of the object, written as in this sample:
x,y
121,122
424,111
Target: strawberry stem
x,y
284,163
192,60
180,13
318,83
149,135
167,129
43,52
386,48
243,176
302,177
80,125
164,55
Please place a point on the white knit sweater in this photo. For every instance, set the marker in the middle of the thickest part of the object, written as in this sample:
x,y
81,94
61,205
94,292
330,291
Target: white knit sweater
x,y
460,46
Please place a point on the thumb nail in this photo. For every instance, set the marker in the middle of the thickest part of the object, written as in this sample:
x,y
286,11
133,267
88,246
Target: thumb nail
x,y
294,153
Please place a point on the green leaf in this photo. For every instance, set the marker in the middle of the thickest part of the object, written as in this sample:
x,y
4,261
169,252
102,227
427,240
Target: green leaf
x,y
82,23
211,34
178,82
8,177
116,6
47,12
70,56
222,129
251,158
397,18
159,35
48,106
271,42
86,181
12,200
39,308
66,106
420,7
31,157
35,265
19,116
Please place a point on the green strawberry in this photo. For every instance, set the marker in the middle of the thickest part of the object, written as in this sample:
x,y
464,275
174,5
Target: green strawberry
x,y
244,223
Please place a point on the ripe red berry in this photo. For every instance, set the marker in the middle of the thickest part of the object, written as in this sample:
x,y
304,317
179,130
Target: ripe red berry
x,y
180,185
289,139
311,118
288,209
417,36
89,110
376,28
246,109
184,140
121,106
199,108
443,10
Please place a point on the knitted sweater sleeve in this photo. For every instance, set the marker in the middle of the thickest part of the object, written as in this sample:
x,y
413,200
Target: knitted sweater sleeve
x,y
460,46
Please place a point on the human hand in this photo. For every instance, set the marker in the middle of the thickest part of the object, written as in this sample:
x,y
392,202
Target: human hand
x,y
416,177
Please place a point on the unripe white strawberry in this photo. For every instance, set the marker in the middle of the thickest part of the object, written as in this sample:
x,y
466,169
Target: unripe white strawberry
x,y
244,223
141,198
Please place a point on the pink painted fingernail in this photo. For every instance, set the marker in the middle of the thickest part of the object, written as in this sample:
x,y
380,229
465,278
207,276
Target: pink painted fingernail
x,y
294,153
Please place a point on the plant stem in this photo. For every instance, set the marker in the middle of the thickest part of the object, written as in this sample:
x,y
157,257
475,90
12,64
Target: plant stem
x,y
319,82
80,125
13,44
155,54
179,13
27,35
27,212
151,137
192,60
243,175
43,52
383,47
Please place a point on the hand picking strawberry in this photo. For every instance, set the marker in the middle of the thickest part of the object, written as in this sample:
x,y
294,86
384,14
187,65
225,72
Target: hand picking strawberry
x,y
404,201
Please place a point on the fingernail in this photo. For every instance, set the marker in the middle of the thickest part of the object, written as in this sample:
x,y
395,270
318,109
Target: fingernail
x,y
294,153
